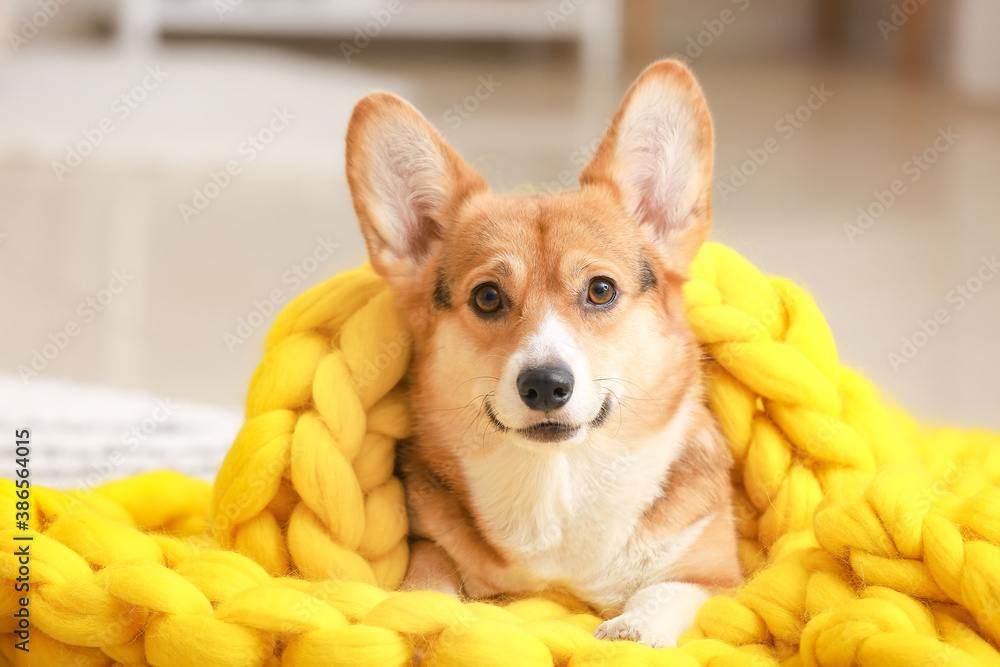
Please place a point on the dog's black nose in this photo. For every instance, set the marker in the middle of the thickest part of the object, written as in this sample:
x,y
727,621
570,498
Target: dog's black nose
x,y
545,388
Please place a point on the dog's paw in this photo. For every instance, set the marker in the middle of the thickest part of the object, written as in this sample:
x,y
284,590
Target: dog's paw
x,y
637,627
656,615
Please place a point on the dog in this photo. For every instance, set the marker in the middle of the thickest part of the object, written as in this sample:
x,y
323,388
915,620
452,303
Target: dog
x,y
561,437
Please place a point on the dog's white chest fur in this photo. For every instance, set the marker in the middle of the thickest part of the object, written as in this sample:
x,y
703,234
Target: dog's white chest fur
x,y
568,516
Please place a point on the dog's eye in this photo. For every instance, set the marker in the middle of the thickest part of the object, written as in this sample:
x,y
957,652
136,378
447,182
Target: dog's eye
x,y
601,292
487,298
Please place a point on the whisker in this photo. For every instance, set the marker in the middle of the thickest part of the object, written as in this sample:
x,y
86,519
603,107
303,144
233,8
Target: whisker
x,y
460,407
480,378
623,404
623,381
618,401
489,423
476,381
474,416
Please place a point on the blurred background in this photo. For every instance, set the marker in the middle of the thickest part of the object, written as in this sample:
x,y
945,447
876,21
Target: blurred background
x,y
171,174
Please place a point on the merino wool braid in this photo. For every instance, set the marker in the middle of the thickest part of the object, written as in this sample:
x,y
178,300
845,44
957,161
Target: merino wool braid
x,y
866,539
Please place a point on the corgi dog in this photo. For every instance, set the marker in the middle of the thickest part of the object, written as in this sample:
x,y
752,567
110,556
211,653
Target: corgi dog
x,y
561,437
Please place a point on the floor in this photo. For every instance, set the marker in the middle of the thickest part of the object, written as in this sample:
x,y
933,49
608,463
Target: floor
x,y
143,265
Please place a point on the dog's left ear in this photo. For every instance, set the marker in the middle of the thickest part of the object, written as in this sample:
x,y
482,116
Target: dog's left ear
x,y
657,156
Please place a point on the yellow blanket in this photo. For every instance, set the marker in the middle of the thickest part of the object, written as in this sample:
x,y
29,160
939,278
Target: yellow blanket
x,y
866,540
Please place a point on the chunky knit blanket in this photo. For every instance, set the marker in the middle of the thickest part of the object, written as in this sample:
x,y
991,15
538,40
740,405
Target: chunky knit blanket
x,y
866,539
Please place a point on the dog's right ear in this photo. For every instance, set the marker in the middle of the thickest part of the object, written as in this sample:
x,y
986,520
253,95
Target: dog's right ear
x,y
406,182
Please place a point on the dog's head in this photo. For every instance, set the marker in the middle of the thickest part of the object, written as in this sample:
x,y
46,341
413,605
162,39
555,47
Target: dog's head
x,y
541,319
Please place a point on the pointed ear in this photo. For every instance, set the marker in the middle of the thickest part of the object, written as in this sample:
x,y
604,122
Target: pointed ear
x,y
657,156
406,183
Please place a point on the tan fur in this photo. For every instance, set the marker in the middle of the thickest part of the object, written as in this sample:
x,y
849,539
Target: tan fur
x,y
645,494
